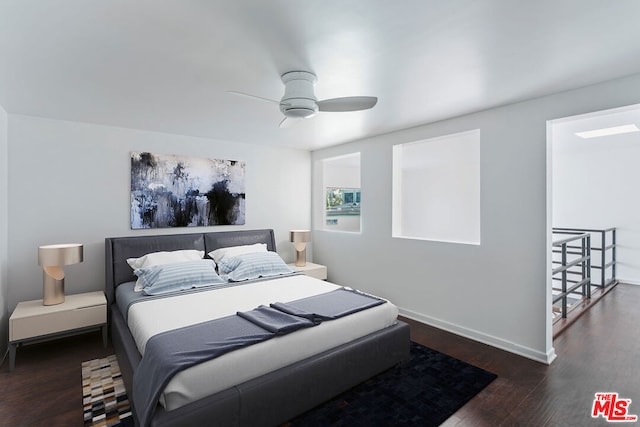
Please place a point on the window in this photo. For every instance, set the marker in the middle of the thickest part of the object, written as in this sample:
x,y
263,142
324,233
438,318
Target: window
x,y
343,201
341,191
436,189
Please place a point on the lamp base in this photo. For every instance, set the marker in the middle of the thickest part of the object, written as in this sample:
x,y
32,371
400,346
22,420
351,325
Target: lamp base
x,y
52,290
301,257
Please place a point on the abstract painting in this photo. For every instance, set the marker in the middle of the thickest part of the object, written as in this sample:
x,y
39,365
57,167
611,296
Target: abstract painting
x,y
176,191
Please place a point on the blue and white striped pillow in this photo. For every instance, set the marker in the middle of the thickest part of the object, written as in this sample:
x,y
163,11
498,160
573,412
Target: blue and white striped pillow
x,y
253,265
162,279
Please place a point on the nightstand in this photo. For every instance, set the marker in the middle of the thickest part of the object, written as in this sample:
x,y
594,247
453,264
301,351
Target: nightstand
x,y
31,321
310,269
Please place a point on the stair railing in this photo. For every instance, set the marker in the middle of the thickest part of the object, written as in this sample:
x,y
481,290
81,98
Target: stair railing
x,y
606,250
575,260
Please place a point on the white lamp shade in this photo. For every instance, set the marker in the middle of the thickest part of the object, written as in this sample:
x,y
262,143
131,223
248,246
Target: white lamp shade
x,y
63,254
300,236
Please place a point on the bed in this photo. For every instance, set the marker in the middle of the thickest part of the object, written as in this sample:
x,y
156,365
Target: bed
x,y
258,398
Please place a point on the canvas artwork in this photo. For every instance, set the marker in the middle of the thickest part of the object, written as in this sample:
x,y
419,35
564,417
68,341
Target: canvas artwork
x,y
176,191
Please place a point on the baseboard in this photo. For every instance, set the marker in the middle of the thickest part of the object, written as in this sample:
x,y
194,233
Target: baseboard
x,y
628,282
509,346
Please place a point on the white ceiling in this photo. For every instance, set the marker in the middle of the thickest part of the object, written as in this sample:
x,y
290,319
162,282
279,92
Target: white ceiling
x,y
165,65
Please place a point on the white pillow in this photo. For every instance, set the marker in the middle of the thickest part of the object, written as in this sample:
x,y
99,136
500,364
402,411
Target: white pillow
x,y
161,258
253,265
231,251
167,278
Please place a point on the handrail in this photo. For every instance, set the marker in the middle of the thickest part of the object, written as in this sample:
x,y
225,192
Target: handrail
x,y
604,248
567,240
573,263
575,260
560,230
584,262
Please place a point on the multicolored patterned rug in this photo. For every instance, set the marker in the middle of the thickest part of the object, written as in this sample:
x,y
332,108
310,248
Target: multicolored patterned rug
x,y
103,395
423,392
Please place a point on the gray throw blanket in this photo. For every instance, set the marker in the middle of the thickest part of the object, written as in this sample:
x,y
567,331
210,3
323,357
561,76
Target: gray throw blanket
x,y
170,352
275,321
350,301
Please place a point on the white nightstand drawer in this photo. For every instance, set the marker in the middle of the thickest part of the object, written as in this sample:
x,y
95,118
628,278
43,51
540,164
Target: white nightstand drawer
x,y
52,323
32,319
310,269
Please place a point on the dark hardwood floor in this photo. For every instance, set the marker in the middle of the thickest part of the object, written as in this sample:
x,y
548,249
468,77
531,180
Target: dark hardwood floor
x,y
45,388
598,353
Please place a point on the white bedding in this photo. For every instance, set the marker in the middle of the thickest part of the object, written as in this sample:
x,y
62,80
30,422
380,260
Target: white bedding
x,y
151,317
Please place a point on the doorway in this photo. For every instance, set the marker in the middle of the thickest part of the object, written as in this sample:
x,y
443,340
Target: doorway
x,y
592,186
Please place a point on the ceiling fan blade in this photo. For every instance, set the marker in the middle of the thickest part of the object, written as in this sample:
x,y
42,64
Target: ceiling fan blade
x,y
288,122
252,96
349,103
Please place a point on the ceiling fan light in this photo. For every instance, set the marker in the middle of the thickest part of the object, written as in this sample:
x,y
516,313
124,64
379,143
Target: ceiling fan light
x,y
300,113
300,108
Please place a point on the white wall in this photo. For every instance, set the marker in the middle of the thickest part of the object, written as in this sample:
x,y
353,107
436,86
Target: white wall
x,y
436,189
4,188
341,176
497,292
595,185
69,182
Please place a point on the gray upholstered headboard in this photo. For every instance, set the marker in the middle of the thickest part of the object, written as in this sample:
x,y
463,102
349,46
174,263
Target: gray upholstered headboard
x,y
118,249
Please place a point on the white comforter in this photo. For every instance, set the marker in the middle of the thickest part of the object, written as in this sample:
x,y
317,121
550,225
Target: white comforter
x,y
152,317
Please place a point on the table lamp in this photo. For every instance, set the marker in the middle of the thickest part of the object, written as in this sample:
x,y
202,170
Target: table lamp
x,y
300,239
51,258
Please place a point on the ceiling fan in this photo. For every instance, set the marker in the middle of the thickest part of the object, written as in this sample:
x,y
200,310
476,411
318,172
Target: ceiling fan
x,y
300,102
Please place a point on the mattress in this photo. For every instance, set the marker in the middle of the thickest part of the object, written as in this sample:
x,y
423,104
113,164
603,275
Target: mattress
x,y
148,318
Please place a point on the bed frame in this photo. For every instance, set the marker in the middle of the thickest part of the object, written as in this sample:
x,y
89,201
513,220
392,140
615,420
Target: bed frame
x,y
267,400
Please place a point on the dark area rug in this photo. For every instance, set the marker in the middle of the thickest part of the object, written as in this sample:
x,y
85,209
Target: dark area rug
x,y
423,392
